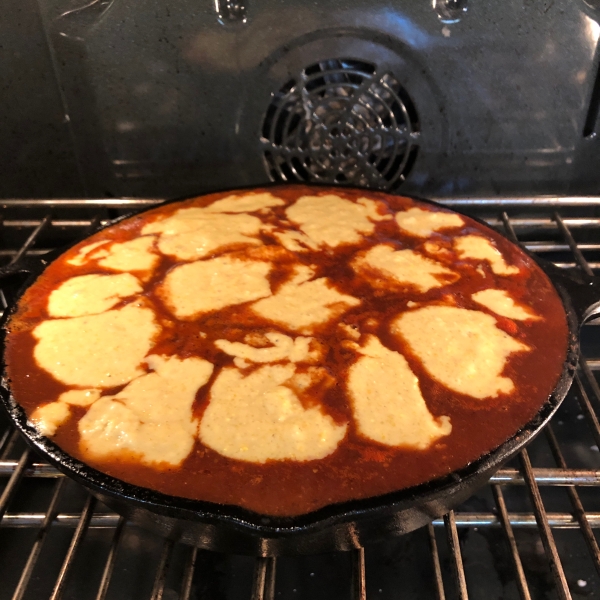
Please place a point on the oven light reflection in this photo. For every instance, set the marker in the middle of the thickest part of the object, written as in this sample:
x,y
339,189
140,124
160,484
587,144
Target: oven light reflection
x,y
406,29
592,32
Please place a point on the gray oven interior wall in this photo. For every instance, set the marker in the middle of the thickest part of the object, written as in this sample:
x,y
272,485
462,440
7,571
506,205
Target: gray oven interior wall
x,y
167,97
37,157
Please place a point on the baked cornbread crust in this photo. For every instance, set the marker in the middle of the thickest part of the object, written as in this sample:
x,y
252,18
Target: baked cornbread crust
x,y
286,348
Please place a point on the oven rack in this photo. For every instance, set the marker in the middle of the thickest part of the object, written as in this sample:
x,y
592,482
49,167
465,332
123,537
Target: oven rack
x,y
539,513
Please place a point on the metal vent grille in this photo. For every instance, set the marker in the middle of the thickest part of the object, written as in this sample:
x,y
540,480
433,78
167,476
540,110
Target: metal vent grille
x,y
531,534
341,121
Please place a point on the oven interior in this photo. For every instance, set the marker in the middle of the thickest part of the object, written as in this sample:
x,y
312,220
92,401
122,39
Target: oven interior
x,y
530,533
114,98
486,106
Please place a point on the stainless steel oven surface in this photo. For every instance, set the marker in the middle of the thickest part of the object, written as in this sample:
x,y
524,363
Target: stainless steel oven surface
x,y
115,98
531,533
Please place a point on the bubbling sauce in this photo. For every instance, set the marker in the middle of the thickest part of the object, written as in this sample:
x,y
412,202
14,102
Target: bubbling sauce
x,y
287,348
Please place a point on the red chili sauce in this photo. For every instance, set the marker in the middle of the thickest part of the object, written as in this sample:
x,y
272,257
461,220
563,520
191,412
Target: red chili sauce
x,y
359,468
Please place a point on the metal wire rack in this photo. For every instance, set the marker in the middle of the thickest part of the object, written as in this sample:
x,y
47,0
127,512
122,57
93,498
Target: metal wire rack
x,y
529,534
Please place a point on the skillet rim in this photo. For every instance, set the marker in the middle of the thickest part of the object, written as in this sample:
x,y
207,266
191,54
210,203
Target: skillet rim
x,y
253,523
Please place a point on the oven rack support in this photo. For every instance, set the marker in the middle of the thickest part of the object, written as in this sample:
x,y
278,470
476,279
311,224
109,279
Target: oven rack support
x,y
547,225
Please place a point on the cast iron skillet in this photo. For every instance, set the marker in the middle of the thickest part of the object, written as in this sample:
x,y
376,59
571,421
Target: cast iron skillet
x,y
336,527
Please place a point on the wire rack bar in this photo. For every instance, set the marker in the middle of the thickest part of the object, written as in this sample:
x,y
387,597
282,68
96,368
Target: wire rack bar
x,y
517,202
68,520
8,443
556,520
560,477
62,223
541,518
586,367
359,582
39,542
457,562
30,241
83,203
564,230
13,483
557,247
80,531
4,441
263,583
512,543
578,510
36,469
522,202
539,223
435,560
587,408
162,570
188,574
110,561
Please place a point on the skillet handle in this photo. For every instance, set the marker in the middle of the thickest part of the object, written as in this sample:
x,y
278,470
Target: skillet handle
x,y
583,290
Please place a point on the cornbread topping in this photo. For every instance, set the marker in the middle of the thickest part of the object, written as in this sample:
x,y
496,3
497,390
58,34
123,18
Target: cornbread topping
x,y
286,349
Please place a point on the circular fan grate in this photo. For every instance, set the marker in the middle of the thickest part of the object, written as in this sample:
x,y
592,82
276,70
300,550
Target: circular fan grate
x,y
341,122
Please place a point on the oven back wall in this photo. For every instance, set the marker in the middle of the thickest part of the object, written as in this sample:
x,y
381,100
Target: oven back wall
x,y
163,98
37,156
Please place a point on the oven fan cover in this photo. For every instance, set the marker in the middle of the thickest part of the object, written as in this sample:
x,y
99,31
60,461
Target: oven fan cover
x,y
340,121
